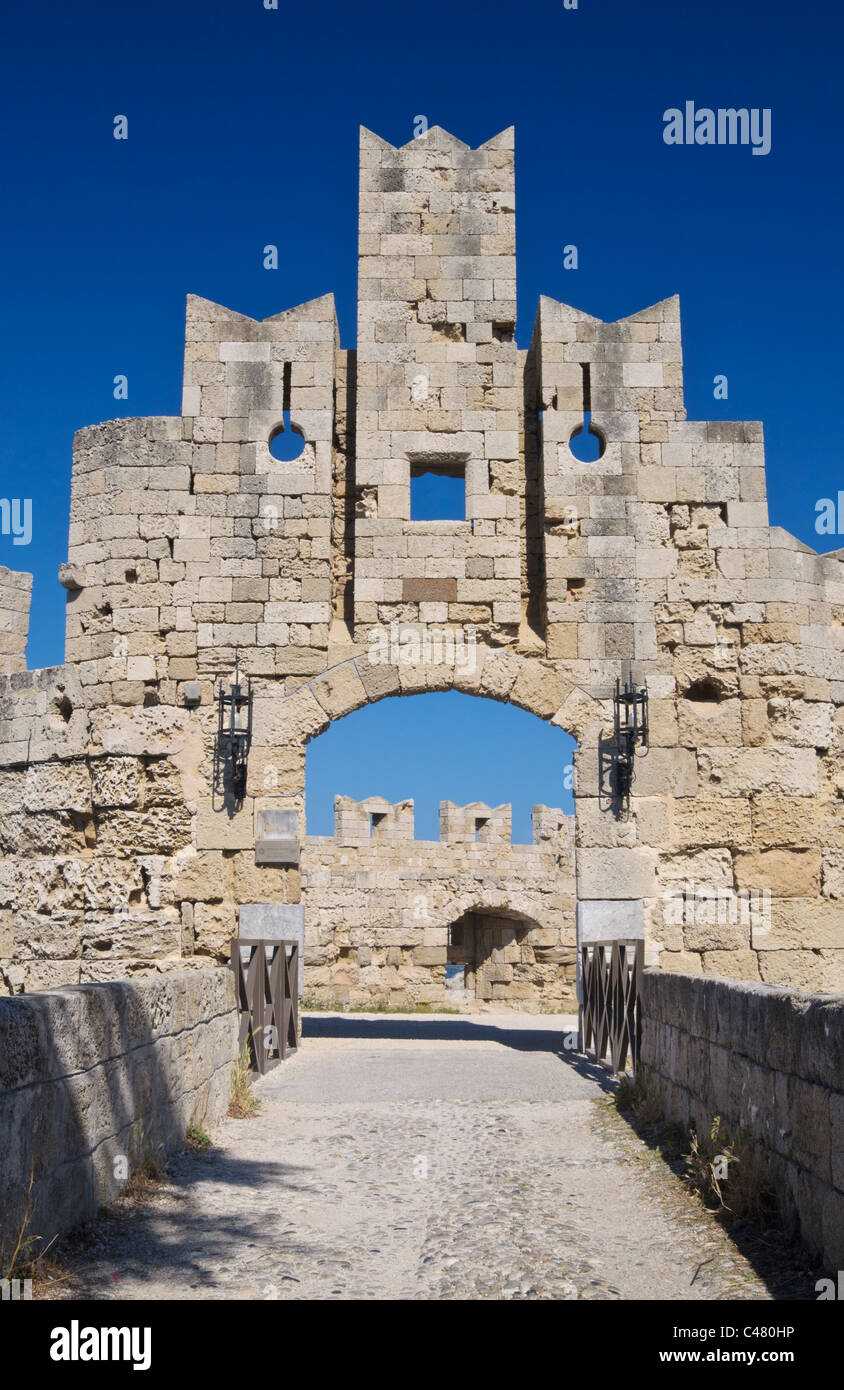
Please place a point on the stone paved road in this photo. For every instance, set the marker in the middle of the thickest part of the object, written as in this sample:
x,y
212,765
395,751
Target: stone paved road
x,y
419,1158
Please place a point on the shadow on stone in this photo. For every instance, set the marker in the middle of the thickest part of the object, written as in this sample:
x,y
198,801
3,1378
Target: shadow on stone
x,y
98,1080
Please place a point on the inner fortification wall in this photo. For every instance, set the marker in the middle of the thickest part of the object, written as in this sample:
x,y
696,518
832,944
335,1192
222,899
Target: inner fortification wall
x,y
469,921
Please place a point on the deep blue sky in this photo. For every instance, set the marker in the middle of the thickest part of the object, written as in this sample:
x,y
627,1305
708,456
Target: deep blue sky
x,y
243,130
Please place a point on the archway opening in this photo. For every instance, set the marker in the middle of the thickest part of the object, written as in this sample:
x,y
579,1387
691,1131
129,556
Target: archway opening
x,y
438,864
441,746
491,955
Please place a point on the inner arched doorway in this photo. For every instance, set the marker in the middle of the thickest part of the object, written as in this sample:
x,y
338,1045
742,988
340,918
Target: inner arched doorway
x,y
423,886
501,959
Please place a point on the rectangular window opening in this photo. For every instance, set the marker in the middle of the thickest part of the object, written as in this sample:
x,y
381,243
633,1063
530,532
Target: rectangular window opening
x,y
438,490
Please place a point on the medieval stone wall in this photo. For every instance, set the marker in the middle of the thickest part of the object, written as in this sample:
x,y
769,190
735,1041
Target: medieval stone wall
x,y
386,915
15,593
192,545
438,383
94,1082
769,1062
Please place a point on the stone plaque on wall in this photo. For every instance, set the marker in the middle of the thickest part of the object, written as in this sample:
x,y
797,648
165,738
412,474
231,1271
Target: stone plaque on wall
x,y
277,837
610,919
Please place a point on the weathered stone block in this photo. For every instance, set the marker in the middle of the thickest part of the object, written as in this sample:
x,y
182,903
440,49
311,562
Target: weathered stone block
x,y
60,786
429,590
214,926
138,936
55,936
115,782
785,873
615,873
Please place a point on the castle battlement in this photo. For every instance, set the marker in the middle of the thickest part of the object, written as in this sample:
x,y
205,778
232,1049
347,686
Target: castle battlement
x,y
375,821
15,596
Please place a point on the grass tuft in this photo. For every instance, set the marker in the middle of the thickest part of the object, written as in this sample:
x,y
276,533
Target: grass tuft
x,y
728,1174
243,1103
726,1171
196,1139
148,1168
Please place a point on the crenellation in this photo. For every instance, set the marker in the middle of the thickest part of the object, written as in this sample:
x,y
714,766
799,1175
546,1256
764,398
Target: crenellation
x,y
15,596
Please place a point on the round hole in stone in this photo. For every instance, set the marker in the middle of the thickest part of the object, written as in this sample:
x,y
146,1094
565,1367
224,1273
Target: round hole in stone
x,y
286,441
587,442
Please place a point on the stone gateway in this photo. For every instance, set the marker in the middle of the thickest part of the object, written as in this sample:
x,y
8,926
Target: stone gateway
x,y
196,542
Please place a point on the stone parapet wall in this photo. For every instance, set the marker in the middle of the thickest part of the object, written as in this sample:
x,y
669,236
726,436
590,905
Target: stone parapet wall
x,y
769,1061
94,1079
189,541
43,715
15,595
385,917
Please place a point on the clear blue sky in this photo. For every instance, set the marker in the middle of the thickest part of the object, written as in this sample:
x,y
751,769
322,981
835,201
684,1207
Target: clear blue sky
x,y
243,130
441,747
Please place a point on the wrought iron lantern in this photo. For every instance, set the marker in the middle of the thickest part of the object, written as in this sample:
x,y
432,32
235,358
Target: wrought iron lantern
x,y
234,733
630,732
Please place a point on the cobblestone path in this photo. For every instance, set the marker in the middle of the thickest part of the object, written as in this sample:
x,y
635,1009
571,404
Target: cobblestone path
x,y
419,1158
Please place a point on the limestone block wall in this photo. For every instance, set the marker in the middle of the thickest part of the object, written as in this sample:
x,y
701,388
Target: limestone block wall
x,y
385,916
189,542
93,1075
770,1061
43,715
660,554
15,594
90,849
438,382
